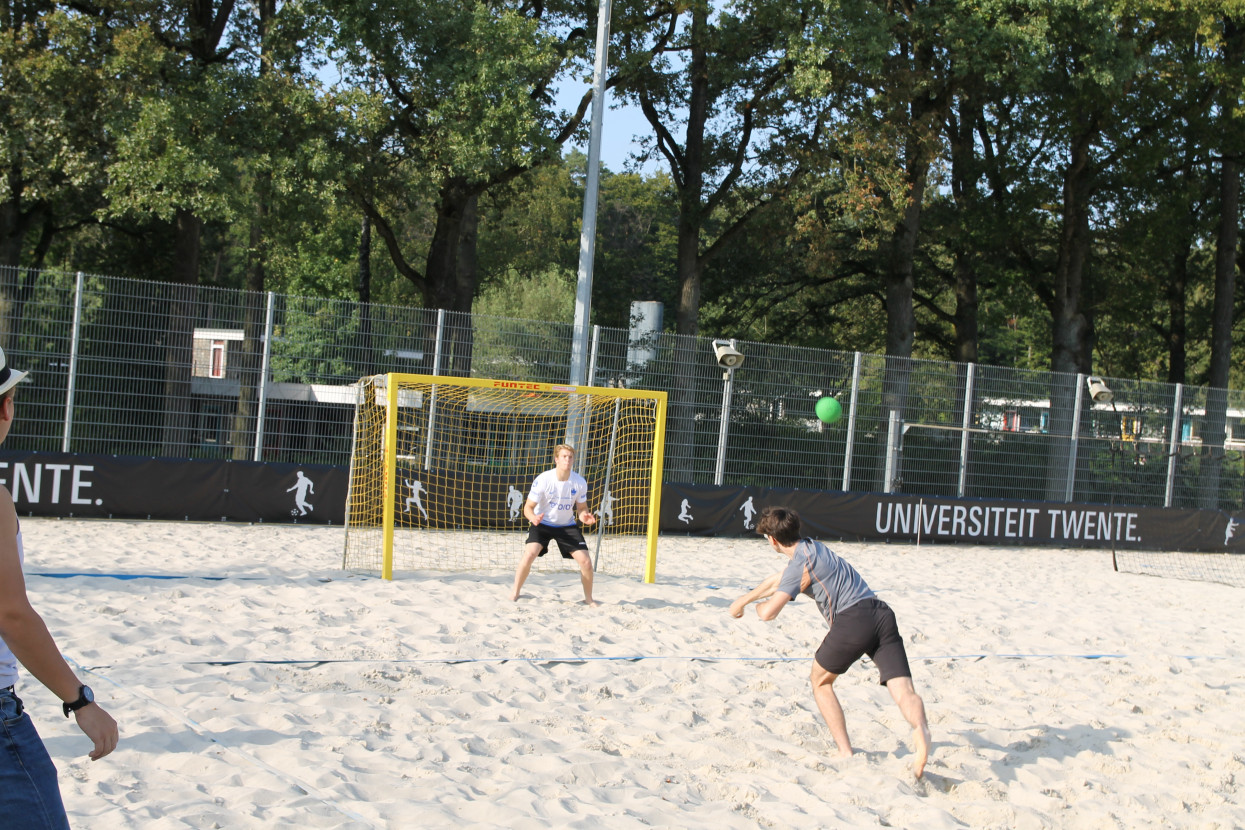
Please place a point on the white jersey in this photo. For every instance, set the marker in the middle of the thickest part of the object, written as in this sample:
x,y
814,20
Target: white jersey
x,y
8,663
557,499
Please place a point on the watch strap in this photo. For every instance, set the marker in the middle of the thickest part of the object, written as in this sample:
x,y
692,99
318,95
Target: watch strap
x,y
84,697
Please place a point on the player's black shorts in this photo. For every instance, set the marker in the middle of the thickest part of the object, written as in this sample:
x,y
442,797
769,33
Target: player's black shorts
x,y
569,539
868,627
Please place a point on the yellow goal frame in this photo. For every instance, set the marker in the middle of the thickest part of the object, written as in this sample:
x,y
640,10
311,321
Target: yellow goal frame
x,y
394,383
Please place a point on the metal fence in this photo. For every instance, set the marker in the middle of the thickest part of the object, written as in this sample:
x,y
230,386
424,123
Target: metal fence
x,y
130,367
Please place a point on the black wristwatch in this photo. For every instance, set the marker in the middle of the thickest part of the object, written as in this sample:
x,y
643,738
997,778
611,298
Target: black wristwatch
x,y
85,696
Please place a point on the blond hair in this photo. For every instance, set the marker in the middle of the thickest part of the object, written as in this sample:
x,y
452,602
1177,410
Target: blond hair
x,y
558,450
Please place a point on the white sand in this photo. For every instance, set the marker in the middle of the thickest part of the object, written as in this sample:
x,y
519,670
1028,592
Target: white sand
x,y
543,723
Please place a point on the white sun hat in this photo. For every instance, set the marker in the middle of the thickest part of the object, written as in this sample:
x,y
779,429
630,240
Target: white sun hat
x,y
9,377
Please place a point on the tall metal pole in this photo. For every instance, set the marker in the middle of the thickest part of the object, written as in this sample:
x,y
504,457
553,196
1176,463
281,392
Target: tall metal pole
x,y
74,344
264,367
965,424
588,231
432,393
1070,489
728,386
893,432
724,423
592,356
1173,445
851,424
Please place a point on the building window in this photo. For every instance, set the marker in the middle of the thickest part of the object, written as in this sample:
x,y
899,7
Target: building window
x,y
210,358
218,359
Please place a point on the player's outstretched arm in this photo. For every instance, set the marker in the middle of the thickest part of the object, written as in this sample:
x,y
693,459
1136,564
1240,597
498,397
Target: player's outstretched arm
x,y
764,590
585,515
770,608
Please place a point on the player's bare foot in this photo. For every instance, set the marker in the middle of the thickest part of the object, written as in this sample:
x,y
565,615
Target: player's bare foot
x,y
591,603
514,596
920,737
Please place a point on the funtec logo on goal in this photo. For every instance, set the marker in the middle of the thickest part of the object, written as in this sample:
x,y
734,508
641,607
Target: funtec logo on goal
x,y
514,384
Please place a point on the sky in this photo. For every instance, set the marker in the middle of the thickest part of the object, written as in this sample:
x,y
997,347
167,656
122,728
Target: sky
x,y
622,124
620,127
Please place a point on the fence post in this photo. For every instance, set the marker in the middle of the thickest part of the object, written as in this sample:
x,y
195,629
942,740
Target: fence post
x,y
436,348
851,424
432,393
73,362
965,423
728,388
1174,445
1076,436
592,356
264,364
893,433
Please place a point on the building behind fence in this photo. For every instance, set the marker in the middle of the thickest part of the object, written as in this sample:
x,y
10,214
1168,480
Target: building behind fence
x,y
136,368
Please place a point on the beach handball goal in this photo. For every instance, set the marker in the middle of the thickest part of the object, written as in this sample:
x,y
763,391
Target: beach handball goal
x,y
441,466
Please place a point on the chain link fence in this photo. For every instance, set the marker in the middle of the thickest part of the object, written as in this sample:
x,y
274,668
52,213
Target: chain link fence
x,y
137,368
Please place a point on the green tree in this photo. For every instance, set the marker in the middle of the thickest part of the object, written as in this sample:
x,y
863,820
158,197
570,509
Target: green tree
x,y
637,241
445,101
714,85
544,305
532,224
1230,37
54,91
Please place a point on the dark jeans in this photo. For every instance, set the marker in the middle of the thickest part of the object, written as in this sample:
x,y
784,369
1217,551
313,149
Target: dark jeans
x,y
30,798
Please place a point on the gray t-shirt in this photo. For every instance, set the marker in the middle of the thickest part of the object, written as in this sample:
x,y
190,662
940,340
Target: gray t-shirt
x,y
835,585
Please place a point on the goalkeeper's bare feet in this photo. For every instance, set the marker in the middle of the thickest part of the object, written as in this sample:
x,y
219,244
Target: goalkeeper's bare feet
x,y
591,603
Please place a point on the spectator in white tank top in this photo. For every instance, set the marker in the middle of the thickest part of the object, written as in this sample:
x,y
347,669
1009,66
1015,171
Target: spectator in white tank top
x,y
30,797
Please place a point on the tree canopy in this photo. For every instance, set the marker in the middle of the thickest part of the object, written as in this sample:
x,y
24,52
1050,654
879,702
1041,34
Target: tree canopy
x,y
1050,184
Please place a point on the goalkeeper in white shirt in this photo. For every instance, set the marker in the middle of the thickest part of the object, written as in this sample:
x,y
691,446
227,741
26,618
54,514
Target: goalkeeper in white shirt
x,y
556,498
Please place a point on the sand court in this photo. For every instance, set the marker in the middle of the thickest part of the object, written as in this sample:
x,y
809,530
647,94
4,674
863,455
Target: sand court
x,y
260,686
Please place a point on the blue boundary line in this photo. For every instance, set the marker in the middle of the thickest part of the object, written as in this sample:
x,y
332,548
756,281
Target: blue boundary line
x,y
635,658
144,576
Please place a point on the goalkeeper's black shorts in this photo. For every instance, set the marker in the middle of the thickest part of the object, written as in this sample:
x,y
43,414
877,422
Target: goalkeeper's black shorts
x,y
569,539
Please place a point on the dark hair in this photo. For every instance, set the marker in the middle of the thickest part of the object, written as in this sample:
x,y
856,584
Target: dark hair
x,y
782,523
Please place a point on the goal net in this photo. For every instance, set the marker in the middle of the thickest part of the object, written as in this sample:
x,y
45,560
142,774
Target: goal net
x,y
442,466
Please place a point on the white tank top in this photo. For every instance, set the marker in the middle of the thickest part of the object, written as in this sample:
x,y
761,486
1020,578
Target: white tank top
x,y
8,663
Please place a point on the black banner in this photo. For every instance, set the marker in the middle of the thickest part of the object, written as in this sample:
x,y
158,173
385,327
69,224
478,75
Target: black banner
x,y
106,486
705,510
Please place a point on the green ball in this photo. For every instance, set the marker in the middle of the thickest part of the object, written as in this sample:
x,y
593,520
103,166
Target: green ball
x,y
829,410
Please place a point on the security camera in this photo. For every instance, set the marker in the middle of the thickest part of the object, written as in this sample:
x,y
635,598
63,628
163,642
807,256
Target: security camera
x,y
1098,390
728,356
